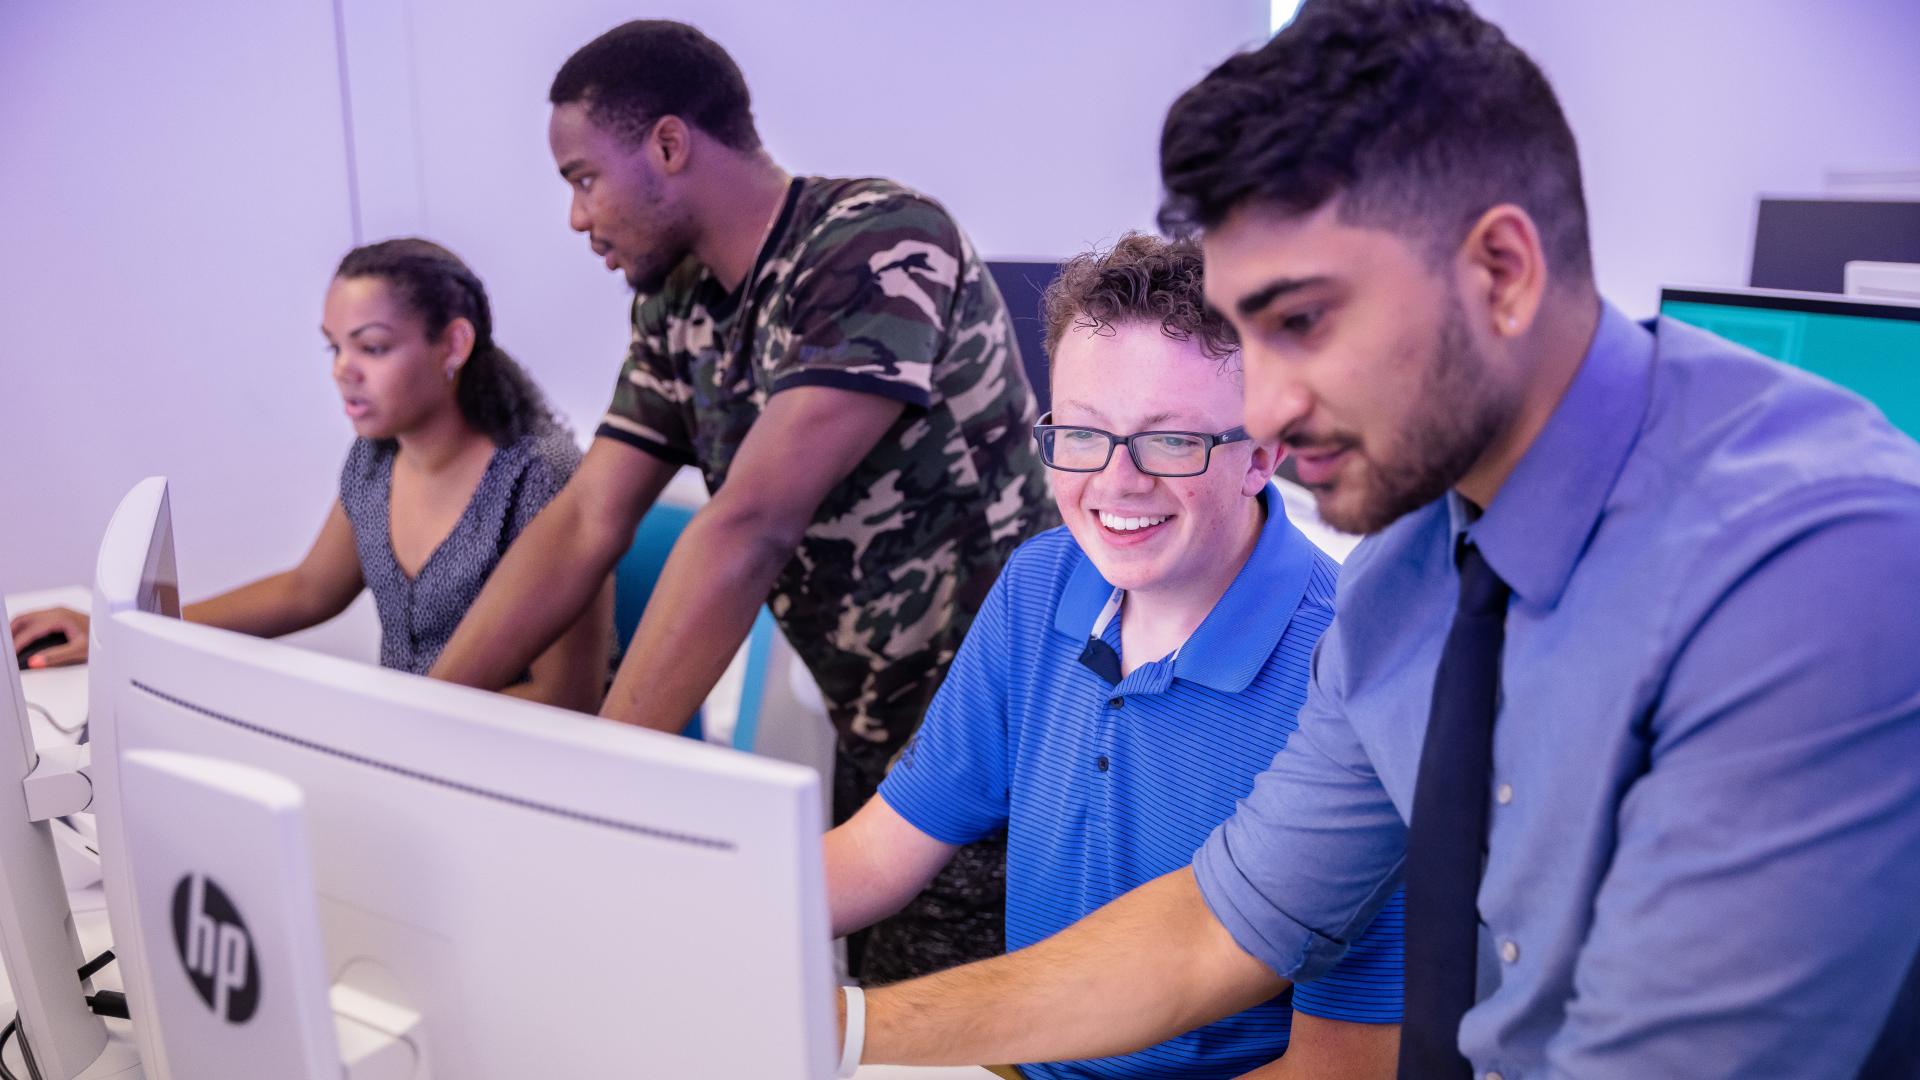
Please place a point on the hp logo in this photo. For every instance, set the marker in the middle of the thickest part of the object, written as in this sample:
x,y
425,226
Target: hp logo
x,y
216,949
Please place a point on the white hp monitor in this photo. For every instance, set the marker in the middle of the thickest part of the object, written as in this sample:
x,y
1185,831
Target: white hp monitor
x,y
464,884
55,1036
135,572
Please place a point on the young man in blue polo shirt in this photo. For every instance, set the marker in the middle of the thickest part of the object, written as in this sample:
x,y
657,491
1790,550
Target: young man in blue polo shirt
x,y
1131,673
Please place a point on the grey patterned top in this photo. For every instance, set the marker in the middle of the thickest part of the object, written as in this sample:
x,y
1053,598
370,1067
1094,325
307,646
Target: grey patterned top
x,y
419,614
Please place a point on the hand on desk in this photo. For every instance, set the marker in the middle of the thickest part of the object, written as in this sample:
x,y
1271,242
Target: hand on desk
x,y
35,625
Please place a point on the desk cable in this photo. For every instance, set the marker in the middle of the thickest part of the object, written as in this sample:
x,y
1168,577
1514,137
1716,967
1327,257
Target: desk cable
x,y
57,725
105,1003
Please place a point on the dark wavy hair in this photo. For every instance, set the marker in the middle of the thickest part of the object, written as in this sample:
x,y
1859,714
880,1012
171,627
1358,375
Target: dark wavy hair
x,y
639,71
1141,279
494,393
1418,114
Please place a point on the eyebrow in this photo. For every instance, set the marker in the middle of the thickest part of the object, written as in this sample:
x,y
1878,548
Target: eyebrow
x,y
1156,418
356,330
1254,302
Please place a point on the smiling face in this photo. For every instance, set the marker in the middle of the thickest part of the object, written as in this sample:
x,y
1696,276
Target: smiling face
x,y
1155,534
622,198
1359,357
392,377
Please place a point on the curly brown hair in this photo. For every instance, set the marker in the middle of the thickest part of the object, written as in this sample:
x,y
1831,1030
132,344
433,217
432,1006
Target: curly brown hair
x,y
1142,278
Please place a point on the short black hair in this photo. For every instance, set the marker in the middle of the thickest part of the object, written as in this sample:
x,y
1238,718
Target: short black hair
x,y
1418,114
639,71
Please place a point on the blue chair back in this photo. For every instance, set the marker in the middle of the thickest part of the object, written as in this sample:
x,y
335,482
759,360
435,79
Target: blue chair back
x,y
638,571
634,579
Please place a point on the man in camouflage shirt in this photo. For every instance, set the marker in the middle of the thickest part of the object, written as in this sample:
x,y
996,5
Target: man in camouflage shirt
x,y
835,359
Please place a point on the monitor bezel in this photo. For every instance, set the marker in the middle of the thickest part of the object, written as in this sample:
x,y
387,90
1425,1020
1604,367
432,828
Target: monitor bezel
x,y
1806,303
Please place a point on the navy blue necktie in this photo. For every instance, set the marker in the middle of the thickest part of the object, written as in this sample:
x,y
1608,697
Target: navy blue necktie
x,y
1446,841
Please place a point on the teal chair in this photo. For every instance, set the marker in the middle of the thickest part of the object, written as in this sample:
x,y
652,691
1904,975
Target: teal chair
x,y
639,569
634,578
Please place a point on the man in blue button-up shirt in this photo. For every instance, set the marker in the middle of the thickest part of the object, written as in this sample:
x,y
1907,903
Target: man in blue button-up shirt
x,y
1703,849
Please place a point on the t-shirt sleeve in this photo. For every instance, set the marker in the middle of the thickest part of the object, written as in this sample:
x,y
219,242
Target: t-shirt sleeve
x,y
950,781
650,398
356,469
1366,986
870,306
356,483
549,466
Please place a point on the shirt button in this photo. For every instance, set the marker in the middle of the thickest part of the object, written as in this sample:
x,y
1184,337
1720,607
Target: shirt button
x,y
1102,762
1503,794
1509,952
1116,702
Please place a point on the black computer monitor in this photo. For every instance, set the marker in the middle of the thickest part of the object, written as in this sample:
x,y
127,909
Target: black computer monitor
x,y
1022,283
1805,244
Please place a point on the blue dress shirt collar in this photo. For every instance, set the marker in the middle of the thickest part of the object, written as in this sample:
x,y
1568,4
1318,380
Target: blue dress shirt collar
x,y
1543,515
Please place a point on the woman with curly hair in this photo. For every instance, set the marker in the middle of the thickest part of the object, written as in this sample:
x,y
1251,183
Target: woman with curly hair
x,y
457,450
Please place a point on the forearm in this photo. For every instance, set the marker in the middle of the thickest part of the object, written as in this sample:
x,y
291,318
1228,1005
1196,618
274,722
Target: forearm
x,y
1146,967
1323,1049
269,607
1293,1066
859,893
542,585
710,591
573,673
855,900
551,691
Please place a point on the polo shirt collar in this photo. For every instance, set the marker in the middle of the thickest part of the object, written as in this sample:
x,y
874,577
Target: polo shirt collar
x,y
1546,511
1080,602
1239,635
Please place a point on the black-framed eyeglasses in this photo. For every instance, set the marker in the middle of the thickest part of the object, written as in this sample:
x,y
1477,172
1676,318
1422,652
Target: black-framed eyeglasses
x,y
1069,448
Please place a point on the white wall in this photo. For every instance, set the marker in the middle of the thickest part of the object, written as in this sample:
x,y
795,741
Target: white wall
x,y
172,198
174,192
1688,110
1037,124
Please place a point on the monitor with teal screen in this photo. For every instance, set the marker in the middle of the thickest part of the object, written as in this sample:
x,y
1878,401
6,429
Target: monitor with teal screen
x,y
1871,347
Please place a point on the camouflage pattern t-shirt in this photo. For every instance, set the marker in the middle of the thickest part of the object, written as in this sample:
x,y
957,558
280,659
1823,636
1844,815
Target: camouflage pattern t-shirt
x,y
864,285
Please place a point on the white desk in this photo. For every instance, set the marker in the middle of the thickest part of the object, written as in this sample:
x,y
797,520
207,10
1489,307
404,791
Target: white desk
x,y
62,694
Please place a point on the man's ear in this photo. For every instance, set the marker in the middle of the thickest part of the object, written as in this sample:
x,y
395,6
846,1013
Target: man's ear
x,y
670,144
1506,268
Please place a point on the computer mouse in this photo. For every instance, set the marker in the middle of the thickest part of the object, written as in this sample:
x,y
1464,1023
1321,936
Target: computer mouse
x,y
39,645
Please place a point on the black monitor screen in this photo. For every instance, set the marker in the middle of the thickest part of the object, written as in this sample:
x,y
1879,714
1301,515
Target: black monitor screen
x,y
1806,244
1021,286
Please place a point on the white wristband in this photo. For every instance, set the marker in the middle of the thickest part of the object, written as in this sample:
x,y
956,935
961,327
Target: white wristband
x,y
856,1038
